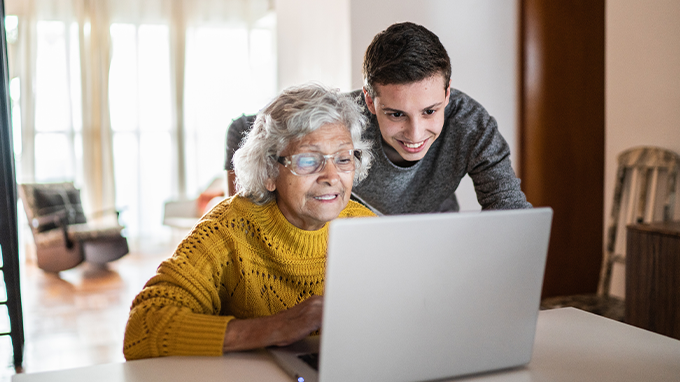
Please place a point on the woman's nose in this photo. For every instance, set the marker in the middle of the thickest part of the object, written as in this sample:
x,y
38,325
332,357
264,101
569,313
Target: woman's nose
x,y
329,173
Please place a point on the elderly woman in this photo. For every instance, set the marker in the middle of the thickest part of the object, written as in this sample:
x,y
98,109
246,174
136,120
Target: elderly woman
x,y
251,273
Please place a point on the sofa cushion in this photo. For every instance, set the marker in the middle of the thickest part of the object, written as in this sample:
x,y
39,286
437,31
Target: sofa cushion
x,y
58,202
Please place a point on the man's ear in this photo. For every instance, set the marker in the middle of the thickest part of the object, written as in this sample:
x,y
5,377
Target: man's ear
x,y
369,100
448,91
270,185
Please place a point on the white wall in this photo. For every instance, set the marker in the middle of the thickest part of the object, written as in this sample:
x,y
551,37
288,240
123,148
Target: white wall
x,y
642,83
313,42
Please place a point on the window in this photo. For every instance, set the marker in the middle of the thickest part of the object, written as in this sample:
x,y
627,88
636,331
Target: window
x,y
58,138
229,69
139,99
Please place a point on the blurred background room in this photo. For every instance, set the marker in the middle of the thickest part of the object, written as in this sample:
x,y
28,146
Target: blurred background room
x,y
130,100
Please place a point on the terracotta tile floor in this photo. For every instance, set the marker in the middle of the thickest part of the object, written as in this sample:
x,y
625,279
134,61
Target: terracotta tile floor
x,y
77,318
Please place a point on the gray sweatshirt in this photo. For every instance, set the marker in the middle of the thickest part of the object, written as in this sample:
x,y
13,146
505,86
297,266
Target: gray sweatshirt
x,y
469,143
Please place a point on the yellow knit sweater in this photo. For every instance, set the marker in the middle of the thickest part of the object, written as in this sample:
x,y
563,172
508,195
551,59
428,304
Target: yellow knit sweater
x,y
241,260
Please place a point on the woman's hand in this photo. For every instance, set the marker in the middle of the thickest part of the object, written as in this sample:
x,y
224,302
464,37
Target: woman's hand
x,y
281,329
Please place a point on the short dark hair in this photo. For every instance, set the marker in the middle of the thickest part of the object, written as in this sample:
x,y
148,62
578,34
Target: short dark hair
x,y
404,53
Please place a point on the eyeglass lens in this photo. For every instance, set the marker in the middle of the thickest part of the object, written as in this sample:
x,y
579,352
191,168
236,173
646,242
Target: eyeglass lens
x,y
309,163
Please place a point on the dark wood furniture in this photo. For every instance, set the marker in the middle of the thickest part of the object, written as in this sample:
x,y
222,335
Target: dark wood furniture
x,y
653,277
562,134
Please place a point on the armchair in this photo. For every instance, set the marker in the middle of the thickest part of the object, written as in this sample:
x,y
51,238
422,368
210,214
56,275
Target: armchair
x,y
63,236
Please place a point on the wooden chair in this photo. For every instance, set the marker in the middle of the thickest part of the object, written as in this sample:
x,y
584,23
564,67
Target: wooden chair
x,y
645,192
63,236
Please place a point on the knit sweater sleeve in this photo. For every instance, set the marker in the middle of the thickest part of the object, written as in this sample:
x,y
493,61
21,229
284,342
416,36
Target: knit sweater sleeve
x,y
496,184
486,155
177,312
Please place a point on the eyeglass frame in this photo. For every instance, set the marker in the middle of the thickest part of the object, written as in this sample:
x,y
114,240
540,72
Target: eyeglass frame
x,y
287,162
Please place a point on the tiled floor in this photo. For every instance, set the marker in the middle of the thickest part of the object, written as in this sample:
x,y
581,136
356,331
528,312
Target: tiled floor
x,y
77,318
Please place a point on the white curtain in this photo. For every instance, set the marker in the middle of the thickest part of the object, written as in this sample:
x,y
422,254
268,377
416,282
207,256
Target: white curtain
x,y
95,59
131,99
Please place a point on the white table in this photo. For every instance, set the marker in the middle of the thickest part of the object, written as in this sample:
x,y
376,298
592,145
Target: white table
x,y
571,345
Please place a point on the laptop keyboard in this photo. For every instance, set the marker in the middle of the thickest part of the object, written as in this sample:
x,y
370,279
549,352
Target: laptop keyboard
x,y
311,359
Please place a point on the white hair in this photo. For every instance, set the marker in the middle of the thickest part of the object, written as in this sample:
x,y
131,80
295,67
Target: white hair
x,y
295,113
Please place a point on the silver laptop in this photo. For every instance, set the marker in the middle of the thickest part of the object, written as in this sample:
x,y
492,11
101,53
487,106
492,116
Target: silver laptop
x,y
425,297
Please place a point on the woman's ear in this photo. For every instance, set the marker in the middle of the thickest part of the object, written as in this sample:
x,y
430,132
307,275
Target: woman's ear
x,y
270,185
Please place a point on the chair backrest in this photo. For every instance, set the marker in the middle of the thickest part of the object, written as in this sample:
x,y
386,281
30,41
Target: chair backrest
x,y
44,200
646,191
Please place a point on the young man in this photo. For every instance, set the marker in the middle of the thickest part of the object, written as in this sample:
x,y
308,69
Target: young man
x,y
426,135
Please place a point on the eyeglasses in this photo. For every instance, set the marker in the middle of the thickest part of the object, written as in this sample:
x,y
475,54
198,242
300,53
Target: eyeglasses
x,y
312,163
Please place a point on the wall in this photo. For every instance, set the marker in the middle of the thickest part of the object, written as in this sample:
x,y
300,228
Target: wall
x,y
642,81
313,42
326,40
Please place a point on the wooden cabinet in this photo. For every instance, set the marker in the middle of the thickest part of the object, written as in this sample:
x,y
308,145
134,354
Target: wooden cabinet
x,y
653,277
